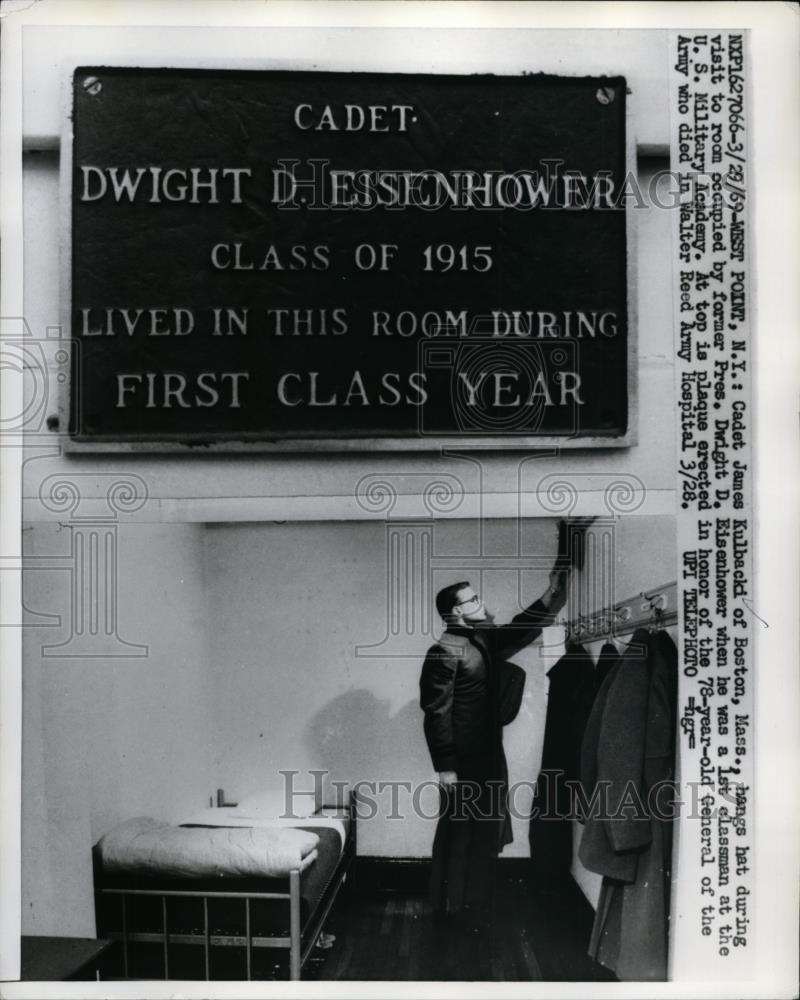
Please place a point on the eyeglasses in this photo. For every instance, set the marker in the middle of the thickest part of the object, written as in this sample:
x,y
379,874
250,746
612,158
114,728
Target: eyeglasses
x,y
475,599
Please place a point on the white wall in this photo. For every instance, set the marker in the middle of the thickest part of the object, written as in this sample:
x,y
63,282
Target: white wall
x,y
289,604
106,738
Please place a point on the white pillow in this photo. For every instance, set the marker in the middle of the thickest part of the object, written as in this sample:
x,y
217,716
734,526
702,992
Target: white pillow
x,y
276,804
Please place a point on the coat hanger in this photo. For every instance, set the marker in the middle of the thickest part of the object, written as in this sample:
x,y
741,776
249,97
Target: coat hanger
x,y
562,623
656,620
656,602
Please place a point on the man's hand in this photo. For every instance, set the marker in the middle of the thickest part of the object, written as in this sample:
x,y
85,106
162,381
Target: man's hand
x,y
447,778
571,533
555,597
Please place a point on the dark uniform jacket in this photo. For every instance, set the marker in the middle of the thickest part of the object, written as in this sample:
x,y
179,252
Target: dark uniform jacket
x,y
468,691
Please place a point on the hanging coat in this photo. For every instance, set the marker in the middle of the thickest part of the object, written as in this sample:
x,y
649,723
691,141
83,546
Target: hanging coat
x,y
604,675
468,692
605,661
629,755
569,701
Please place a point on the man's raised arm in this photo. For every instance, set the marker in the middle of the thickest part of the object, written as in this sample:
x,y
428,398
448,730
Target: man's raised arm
x,y
528,624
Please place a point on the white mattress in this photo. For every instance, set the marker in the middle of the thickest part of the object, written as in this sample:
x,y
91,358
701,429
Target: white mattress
x,y
234,816
148,846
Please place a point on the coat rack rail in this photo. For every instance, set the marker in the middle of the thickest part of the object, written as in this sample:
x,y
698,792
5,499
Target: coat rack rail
x,y
657,606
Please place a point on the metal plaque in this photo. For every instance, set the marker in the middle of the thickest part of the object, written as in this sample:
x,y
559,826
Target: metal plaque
x,y
302,260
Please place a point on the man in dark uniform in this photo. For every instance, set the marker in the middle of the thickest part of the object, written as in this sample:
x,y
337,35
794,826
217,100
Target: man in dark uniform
x,y
468,693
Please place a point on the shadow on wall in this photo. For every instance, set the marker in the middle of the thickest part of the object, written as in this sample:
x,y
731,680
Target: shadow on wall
x,y
356,738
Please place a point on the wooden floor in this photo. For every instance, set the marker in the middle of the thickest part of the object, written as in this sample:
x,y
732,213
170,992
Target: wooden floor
x,y
535,936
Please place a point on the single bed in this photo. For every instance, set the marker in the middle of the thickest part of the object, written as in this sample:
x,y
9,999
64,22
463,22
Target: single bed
x,y
225,927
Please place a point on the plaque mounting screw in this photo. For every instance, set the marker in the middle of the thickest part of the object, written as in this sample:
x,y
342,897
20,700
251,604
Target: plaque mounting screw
x,y
92,85
605,95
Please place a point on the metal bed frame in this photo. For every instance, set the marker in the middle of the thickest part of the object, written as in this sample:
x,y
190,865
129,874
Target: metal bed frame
x,y
301,939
